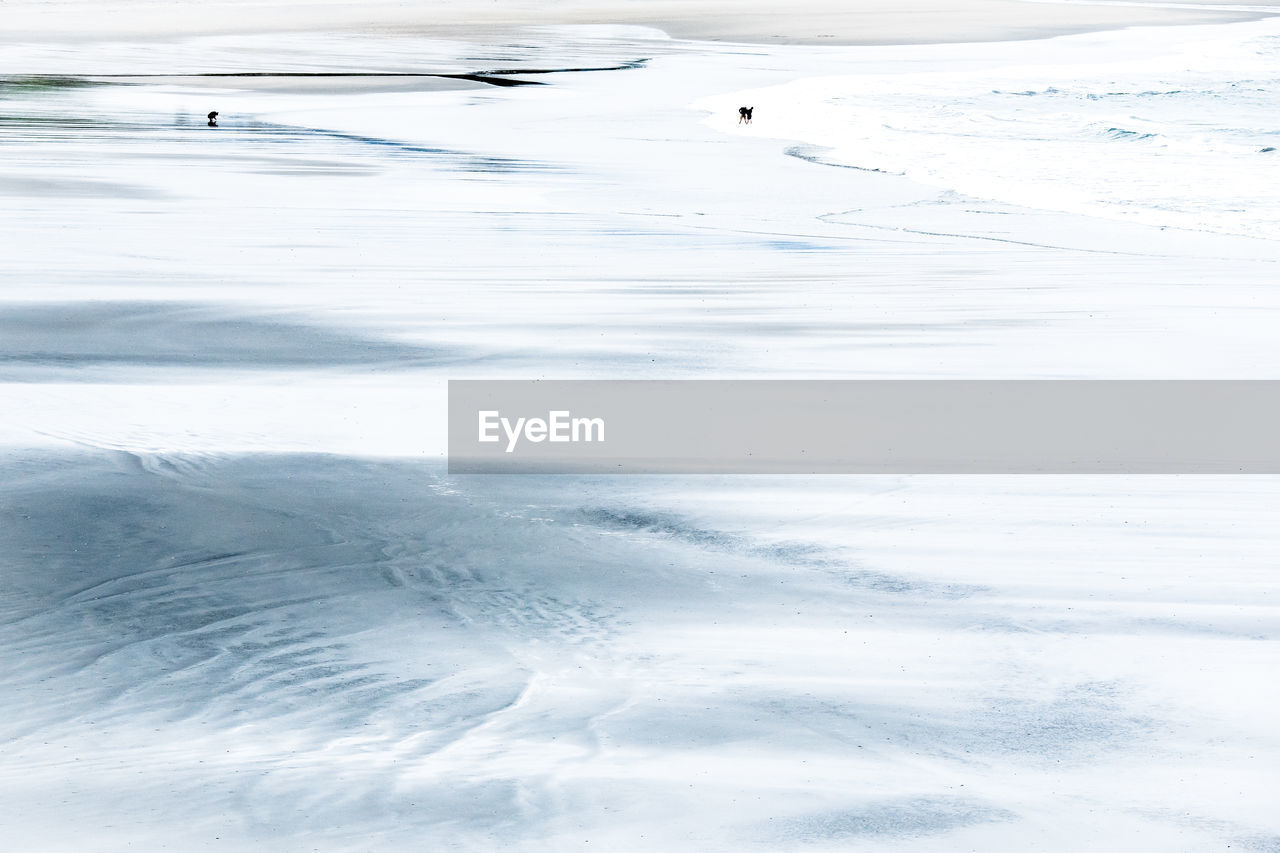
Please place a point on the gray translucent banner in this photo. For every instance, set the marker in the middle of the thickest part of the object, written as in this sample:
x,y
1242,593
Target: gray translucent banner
x,y
864,427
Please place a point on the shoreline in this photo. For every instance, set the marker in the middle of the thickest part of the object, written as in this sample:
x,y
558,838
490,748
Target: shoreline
x,y
814,112
813,23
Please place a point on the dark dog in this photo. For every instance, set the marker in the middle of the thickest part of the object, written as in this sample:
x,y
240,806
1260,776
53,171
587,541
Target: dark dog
x,y
213,119
744,115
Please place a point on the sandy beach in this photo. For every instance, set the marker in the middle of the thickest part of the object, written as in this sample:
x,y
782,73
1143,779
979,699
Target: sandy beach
x,y
246,607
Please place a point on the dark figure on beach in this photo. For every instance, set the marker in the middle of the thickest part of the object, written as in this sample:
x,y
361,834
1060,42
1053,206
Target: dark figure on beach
x,y
213,119
744,115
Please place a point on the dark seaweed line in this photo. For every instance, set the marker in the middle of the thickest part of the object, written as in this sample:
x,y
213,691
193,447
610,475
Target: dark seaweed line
x,y
497,72
497,77
478,78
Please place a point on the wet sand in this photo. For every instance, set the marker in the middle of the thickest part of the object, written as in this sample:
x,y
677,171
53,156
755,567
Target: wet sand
x,y
245,608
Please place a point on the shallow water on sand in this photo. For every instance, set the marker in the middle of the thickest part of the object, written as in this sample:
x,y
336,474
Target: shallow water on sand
x,y
228,624
1166,132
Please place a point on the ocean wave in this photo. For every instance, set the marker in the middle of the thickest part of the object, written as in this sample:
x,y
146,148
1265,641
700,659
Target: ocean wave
x,y
1119,133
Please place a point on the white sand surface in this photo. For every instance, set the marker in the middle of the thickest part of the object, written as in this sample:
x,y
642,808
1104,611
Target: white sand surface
x,y
245,608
